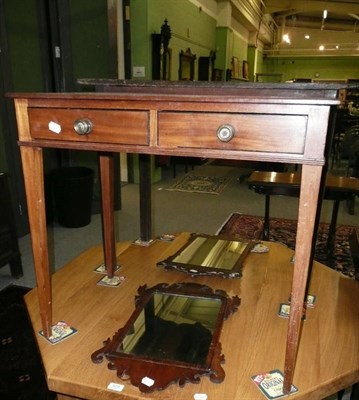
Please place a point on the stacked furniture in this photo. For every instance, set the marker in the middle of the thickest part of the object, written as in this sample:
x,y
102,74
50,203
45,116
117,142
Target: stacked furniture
x,y
9,247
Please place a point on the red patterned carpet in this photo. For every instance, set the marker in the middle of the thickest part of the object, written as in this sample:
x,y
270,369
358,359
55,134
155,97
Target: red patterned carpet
x,y
284,231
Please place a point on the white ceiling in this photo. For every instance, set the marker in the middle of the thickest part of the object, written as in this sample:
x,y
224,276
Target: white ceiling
x,y
338,33
343,15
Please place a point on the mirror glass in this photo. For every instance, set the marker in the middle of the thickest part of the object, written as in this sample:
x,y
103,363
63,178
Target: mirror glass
x,y
177,328
186,70
212,252
204,254
186,65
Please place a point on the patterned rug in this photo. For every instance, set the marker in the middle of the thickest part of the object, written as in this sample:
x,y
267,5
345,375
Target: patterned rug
x,y
21,371
284,231
200,184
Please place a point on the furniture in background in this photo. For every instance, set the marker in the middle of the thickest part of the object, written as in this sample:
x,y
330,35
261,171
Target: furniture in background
x,y
349,150
248,337
206,67
268,77
284,123
9,246
167,162
354,250
346,135
161,53
337,189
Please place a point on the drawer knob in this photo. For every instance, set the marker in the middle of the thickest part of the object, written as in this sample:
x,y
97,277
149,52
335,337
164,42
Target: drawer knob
x,y
83,126
225,133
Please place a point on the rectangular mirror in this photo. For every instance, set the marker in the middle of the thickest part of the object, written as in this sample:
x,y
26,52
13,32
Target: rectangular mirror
x,y
172,336
186,65
210,255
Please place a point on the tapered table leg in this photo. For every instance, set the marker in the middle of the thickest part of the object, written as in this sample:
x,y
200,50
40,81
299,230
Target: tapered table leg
x,y
309,189
145,197
32,162
106,164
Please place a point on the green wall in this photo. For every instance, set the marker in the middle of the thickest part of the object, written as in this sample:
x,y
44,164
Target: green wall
x,y
239,47
191,28
308,67
141,36
255,62
223,42
24,47
89,39
21,34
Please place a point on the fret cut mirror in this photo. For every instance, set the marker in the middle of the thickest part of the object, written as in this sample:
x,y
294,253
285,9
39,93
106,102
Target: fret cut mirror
x,y
210,255
172,336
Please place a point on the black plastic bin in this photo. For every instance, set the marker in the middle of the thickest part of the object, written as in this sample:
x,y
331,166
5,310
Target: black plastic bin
x,y
72,194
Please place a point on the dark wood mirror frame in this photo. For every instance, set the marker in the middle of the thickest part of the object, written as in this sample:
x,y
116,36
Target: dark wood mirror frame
x,y
190,258
151,372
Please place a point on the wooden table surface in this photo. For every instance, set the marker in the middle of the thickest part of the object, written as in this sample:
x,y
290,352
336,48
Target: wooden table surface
x,y
337,189
253,339
291,179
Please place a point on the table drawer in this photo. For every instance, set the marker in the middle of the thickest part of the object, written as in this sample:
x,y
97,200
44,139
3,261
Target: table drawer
x,y
108,126
253,132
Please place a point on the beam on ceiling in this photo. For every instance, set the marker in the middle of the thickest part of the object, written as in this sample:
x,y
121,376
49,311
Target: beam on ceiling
x,y
338,7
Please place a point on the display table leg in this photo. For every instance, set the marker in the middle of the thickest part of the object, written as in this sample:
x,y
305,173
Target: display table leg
x,y
309,189
145,197
106,163
32,162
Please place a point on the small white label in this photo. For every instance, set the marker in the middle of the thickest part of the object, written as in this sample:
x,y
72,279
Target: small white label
x,y
200,396
54,127
57,52
148,381
115,386
138,72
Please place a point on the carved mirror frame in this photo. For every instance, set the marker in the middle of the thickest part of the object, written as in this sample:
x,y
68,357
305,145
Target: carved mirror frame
x,y
154,371
220,255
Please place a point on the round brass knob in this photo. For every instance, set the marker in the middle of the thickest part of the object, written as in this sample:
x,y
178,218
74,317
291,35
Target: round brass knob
x,y
225,133
83,126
